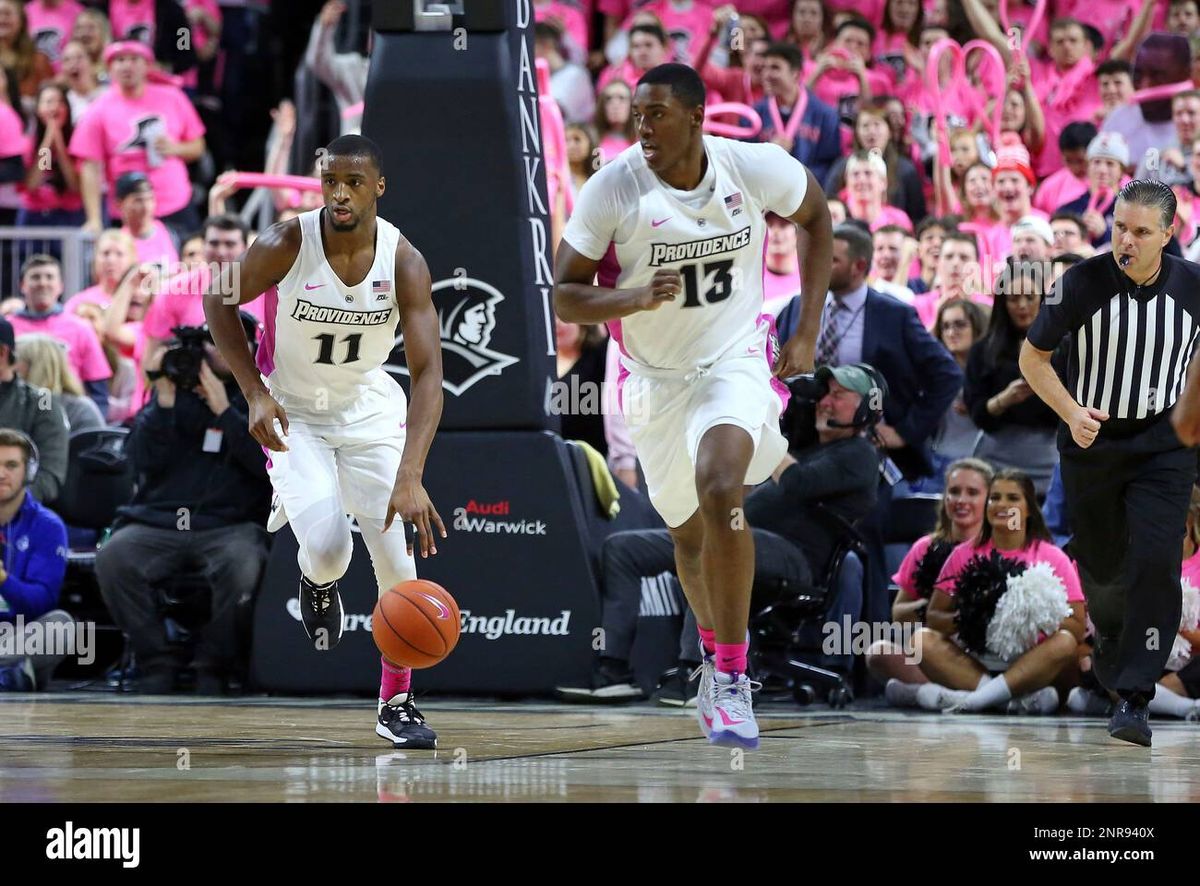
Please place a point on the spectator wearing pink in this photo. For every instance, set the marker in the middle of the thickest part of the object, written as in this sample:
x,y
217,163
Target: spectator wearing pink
x,y
899,39
142,127
1014,181
647,49
948,183
122,328
204,19
1161,60
94,33
614,119
808,28
50,23
1070,181
135,201
843,76
1022,112
1032,239
1112,18
1116,87
866,192
873,132
775,13
792,116
180,299
742,80
1066,87
981,218
51,193
871,10
79,75
891,246
958,277
42,287
114,254
13,145
1013,527
781,266
1108,157
571,22
685,23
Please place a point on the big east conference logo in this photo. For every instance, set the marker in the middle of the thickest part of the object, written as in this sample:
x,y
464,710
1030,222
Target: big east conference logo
x,y
466,311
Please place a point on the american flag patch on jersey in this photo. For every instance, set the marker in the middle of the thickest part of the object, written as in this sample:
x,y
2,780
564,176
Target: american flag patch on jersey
x,y
734,200
381,286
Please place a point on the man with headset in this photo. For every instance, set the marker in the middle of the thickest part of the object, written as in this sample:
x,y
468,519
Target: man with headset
x,y
36,413
33,561
836,469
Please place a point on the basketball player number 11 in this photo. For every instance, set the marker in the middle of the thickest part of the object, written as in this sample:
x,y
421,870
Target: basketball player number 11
x,y
327,342
721,289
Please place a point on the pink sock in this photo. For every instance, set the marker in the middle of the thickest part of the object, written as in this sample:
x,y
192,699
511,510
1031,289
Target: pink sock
x,y
731,657
708,636
395,679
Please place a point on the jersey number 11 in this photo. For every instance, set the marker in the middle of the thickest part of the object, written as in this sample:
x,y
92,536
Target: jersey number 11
x,y
327,342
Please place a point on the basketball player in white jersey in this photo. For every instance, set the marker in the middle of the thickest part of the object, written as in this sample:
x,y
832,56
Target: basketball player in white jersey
x,y
337,281
675,227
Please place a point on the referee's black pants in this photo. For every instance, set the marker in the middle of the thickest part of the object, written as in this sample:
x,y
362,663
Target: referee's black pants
x,y
1127,499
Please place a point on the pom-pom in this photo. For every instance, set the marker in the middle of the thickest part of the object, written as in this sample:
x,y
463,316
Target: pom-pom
x,y
980,585
1034,604
930,566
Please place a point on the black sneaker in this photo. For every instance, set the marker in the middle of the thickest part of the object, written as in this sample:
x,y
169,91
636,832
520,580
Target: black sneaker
x,y
676,688
612,682
18,677
1130,723
403,725
321,612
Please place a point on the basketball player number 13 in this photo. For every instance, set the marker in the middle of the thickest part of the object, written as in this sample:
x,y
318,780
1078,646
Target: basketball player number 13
x,y
327,341
721,289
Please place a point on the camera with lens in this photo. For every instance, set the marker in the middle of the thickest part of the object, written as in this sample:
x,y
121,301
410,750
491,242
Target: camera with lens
x,y
799,421
184,355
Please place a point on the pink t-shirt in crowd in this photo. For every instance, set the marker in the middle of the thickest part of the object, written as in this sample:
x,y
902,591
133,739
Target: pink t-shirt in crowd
x,y
871,10
13,142
836,86
93,295
779,285
45,197
959,100
51,28
132,20
180,302
905,575
624,71
1112,18
1059,188
611,145
158,247
1191,569
1038,552
1065,97
113,131
685,29
570,17
887,215
84,353
200,37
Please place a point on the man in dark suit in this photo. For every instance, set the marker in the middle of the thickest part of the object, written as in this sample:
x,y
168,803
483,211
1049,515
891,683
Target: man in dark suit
x,y
860,325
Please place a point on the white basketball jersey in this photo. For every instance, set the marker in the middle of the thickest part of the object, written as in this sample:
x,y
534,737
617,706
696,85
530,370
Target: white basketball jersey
x,y
325,342
635,224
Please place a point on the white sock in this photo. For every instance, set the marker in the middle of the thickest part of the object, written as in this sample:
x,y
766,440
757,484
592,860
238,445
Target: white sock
x,y
1043,701
1170,703
988,695
900,694
935,697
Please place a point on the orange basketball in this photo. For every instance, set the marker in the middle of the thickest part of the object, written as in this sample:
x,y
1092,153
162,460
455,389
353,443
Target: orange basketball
x,y
416,624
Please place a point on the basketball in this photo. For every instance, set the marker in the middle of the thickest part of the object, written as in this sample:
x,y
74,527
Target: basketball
x,y
416,624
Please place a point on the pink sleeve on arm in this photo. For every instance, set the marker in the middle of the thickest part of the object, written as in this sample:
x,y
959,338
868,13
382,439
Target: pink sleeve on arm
x,y
92,364
87,142
1064,567
952,567
158,321
908,567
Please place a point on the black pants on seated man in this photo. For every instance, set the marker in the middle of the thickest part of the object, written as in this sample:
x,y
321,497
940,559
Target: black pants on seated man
x,y
139,560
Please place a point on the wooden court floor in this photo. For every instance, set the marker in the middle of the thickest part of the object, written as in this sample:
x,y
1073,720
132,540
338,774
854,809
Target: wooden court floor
x,y
86,747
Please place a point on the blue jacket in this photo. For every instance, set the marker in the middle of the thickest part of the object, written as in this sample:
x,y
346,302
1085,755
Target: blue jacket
x,y
923,379
35,558
819,138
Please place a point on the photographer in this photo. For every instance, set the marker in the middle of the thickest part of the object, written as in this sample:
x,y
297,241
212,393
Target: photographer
x,y
832,467
201,505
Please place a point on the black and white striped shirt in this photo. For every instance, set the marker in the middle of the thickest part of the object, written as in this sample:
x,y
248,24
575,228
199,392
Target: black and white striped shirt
x,y
1130,346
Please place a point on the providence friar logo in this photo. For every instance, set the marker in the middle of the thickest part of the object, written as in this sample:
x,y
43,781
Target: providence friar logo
x,y
466,317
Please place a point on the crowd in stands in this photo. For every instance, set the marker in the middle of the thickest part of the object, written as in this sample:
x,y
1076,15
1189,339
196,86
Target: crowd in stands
x,y
944,184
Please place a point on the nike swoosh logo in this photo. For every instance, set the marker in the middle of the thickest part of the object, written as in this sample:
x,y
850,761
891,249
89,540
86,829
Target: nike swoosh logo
x,y
308,287
655,224
443,612
725,718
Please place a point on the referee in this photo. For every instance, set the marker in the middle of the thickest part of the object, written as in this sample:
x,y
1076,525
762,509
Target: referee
x,y
1133,316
